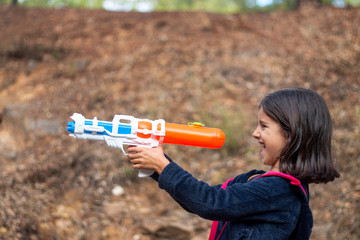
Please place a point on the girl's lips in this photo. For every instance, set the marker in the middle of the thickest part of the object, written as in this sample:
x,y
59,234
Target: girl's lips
x,y
262,145
262,151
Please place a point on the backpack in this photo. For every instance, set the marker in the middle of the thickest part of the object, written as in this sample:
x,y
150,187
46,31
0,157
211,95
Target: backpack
x,y
305,212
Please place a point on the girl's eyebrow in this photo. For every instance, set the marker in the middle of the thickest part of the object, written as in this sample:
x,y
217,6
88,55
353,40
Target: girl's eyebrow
x,y
262,122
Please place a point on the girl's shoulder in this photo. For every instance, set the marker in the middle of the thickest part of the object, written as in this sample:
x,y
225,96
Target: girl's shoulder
x,y
259,183
279,184
245,177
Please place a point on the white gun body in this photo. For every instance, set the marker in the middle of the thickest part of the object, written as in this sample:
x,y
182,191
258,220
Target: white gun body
x,y
122,131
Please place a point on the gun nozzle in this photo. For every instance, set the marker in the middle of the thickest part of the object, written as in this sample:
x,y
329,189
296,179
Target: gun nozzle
x,y
71,127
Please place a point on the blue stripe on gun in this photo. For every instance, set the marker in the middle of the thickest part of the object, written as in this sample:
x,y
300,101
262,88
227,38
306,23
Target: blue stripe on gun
x,y
122,129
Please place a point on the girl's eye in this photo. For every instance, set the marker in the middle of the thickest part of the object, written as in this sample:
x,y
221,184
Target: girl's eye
x,y
262,125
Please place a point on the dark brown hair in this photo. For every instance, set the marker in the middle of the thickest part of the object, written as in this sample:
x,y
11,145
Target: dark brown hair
x,y
305,120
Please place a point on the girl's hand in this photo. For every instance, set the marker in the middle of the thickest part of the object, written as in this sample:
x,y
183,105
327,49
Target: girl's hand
x,y
148,158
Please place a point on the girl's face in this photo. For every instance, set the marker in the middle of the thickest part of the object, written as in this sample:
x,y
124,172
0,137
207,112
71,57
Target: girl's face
x,y
271,139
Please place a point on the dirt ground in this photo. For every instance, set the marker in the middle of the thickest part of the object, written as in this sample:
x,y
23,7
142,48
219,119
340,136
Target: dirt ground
x,y
178,66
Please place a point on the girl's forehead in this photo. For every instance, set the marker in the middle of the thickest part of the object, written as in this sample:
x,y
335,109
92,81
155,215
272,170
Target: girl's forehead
x,y
262,116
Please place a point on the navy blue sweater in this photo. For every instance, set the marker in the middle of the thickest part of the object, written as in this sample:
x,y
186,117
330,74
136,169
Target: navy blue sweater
x,y
265,208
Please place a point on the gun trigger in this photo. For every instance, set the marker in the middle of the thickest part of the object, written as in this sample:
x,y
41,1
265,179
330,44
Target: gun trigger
x,y
123,150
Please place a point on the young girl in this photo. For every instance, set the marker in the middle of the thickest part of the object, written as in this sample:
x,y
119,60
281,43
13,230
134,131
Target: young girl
x,y
294,132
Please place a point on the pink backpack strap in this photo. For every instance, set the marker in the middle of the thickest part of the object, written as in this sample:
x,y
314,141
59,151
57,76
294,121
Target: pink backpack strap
x,y
216,223
293,180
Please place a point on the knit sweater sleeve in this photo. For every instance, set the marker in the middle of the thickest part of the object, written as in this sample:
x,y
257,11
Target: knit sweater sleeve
x,y
240,200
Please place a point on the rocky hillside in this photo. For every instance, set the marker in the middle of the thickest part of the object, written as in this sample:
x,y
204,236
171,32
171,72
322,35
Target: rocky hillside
x,y
179,66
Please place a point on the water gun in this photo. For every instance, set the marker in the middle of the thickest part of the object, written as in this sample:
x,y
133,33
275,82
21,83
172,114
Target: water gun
x,y
127,130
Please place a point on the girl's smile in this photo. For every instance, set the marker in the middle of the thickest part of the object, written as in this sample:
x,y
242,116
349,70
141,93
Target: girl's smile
x,y
271,139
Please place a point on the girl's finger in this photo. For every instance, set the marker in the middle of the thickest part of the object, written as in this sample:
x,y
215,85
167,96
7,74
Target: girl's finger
x,y
133,149
133,155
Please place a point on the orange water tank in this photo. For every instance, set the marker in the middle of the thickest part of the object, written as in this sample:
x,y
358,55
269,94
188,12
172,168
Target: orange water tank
x,y
190,135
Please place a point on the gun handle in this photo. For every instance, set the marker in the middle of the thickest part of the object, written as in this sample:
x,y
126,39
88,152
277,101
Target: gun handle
x,y
118,143
145,173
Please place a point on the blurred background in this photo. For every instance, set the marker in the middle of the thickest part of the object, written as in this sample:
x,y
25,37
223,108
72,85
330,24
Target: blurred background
x,y
181,61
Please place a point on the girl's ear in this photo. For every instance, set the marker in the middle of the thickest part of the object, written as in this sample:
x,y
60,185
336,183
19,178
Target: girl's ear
x,y
288,138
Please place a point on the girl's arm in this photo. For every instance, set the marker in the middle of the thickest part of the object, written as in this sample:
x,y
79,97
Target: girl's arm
x,y
239,201
155,175
152,158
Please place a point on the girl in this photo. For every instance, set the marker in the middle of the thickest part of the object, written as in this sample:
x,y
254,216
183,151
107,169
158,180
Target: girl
x,y
294,132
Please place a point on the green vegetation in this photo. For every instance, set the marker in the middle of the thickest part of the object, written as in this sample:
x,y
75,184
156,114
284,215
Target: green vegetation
x,y
218,6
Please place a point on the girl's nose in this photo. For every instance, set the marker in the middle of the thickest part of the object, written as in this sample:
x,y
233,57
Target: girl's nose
x,y
256,133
